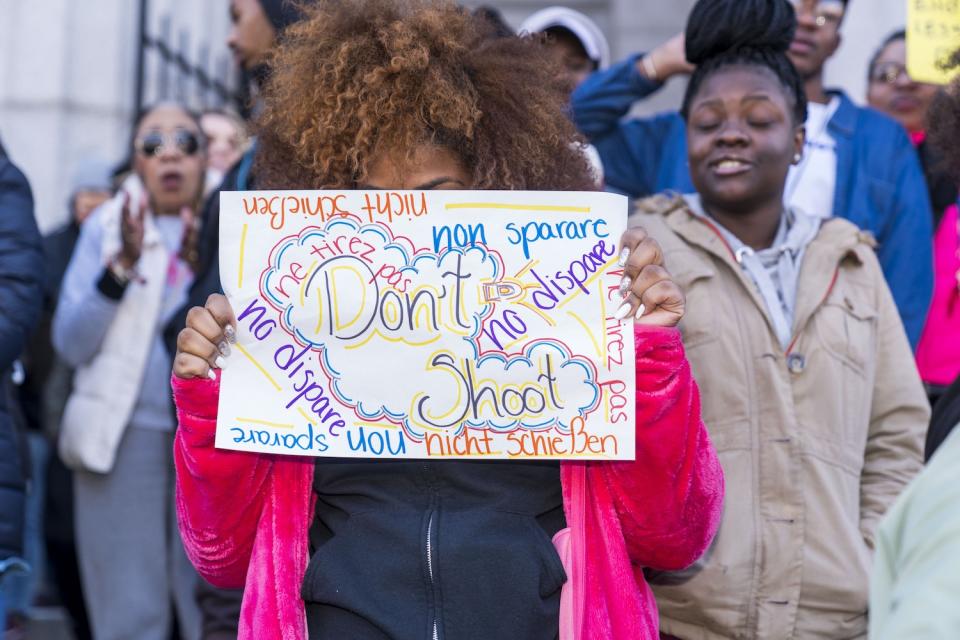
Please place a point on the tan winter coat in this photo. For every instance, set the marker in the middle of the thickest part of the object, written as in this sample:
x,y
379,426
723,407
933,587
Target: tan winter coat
x,y
816,443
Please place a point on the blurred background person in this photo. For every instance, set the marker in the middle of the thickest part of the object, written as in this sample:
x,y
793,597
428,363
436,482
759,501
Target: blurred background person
x,y
48,377
856,163
41,398
493,16
128,274
91,187
21,280
255,28
255,25
227,140
894,92
575,42
578,47
915,585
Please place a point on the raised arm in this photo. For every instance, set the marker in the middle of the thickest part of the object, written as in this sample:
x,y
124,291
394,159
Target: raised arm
x,y
220,493
670,499
605,97
631,149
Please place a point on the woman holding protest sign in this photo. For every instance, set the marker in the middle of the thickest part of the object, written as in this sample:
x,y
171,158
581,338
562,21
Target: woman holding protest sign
x,y
809,386
379,94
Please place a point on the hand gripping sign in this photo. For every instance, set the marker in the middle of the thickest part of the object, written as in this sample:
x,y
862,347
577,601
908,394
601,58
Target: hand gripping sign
x,y
441,324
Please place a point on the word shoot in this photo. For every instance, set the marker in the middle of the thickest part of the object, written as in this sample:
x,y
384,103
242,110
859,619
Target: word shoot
x,y
440,324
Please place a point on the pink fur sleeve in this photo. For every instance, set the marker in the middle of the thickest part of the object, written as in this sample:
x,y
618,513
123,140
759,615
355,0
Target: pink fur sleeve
x,y
220,494
669,501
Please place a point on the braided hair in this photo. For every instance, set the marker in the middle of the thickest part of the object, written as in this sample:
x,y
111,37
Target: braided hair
x,y
735,33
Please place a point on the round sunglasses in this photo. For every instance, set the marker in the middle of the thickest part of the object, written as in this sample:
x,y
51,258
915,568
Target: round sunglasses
x,y
153,143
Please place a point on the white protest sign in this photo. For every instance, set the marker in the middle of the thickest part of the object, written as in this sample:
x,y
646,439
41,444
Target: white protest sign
x,y
436,324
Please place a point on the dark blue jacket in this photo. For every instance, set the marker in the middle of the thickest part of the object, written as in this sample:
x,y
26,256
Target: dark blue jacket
x,y
880,186
21,293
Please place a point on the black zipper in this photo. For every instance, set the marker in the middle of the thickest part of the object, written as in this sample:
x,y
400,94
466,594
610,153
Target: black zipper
x,y
433,588
429,545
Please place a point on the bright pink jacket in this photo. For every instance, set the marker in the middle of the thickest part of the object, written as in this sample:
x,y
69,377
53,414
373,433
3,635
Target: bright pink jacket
x,y
244,517
938,354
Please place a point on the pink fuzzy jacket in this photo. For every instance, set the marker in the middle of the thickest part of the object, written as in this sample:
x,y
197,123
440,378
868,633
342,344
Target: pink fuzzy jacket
x,y
244,517
938,354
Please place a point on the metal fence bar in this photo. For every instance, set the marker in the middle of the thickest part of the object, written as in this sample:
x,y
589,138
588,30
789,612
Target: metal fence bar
x,y
200,82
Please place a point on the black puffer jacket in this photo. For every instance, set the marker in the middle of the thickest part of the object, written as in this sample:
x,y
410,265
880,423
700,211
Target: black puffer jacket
x,y
21,278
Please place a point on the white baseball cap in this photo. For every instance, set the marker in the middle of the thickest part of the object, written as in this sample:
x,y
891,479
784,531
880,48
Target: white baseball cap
x,y
585,29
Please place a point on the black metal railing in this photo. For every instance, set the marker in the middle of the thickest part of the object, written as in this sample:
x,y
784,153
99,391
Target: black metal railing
x,y
174,68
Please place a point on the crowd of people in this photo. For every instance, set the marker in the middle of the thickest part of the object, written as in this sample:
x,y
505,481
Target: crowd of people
x,y
792,267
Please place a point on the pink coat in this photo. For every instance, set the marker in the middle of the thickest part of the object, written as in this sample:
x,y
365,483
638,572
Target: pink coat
x,y
244,517
938,354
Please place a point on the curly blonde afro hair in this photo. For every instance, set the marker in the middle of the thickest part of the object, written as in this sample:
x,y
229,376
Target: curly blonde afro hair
x,y
357,78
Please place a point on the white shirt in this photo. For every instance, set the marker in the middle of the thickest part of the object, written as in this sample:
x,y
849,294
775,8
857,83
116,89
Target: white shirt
x,y
812,183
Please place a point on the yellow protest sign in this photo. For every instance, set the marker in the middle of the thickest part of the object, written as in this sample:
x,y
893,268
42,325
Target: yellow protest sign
x,y
933,33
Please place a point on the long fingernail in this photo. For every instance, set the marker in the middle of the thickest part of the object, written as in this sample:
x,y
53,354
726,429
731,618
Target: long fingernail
x,y
622,312
230,334
211,374
624,286
220,363
640,311
224,349
623,257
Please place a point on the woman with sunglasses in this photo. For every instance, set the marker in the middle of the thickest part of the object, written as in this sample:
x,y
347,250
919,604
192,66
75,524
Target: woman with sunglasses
x,y
129,272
